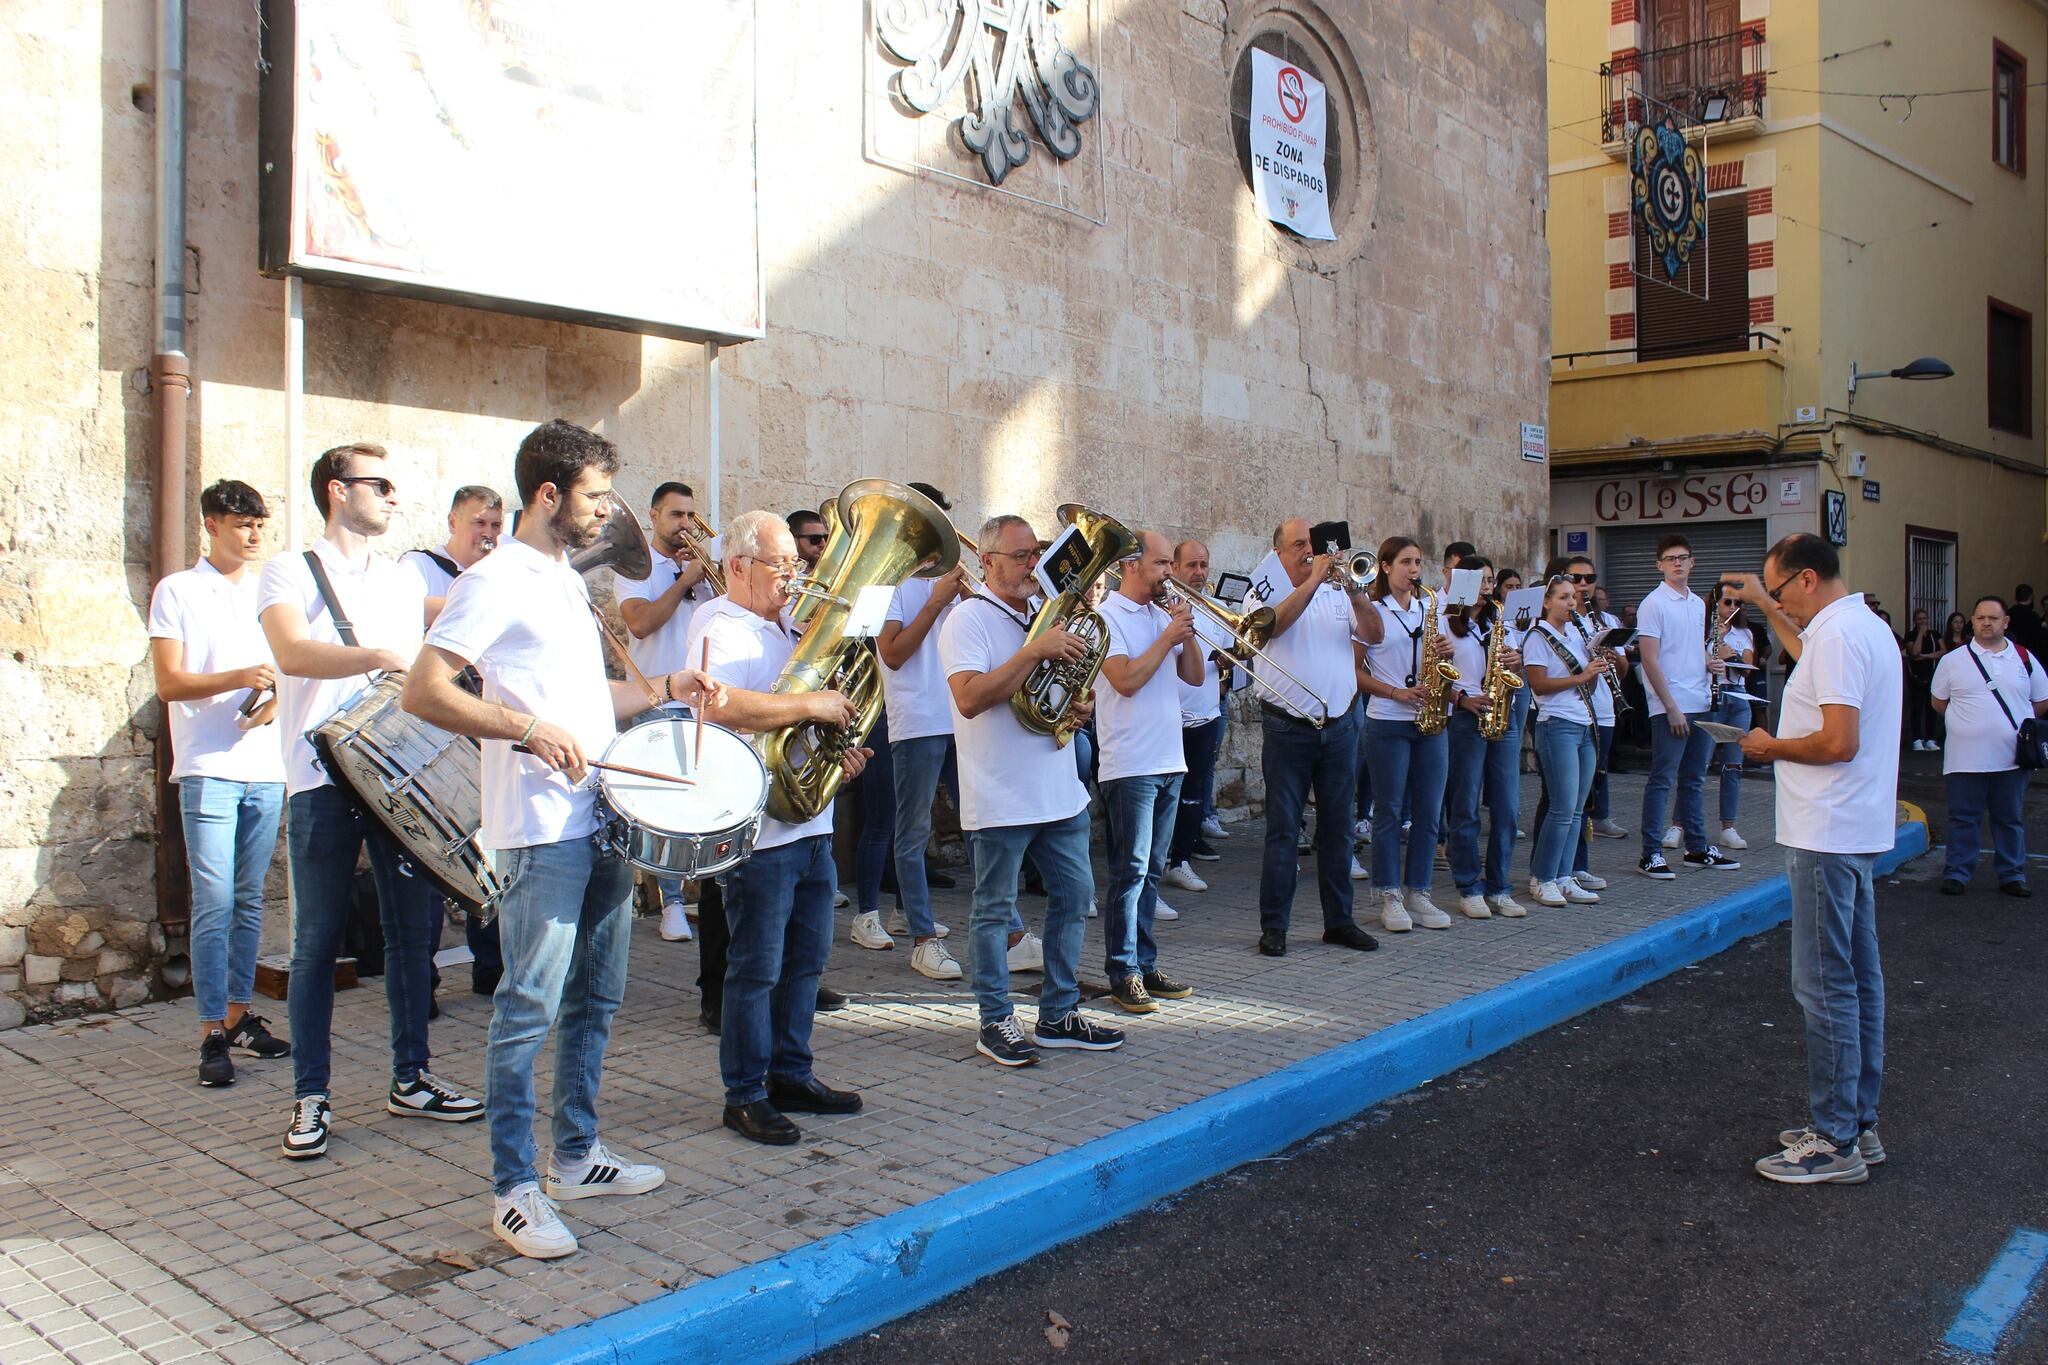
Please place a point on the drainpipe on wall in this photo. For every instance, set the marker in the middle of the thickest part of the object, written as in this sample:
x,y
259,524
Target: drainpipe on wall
x,y
170,392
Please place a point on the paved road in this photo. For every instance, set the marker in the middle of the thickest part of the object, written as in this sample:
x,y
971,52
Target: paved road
x,y
1586,1196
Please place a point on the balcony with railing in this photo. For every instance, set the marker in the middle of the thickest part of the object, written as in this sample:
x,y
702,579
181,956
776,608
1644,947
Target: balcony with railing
x,y
1612,403
1715,84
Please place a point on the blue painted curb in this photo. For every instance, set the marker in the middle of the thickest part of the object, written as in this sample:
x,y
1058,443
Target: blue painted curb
x,y
784,1309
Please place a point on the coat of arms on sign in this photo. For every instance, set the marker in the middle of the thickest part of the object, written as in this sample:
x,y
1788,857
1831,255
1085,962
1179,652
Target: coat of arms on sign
x,y
1014,51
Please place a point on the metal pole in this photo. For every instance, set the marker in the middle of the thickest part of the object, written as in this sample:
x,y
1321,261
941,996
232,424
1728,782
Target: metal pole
x,y
294,409
712,472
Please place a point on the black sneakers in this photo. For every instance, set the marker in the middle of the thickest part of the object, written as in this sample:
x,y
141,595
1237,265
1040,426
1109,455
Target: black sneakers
x,y
250,1038
1653,865
426,1097
1163,987
1712,858
1003,1043
829,1000
1076,1031
1130,995
215,1066
307,1137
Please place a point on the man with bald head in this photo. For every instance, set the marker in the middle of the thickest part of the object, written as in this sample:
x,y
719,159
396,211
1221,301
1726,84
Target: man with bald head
x,y
1311,730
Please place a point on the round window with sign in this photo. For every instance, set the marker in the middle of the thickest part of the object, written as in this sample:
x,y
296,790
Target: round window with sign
x,y
1306,53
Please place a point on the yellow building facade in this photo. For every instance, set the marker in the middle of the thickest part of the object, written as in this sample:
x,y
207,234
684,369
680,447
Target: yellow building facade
x,y
1875,194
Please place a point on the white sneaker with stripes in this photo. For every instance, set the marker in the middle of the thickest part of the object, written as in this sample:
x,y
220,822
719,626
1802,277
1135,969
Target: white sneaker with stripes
x,y
601,1171
526,1221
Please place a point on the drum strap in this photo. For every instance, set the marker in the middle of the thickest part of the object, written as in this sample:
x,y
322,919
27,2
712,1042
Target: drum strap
x,y
342,627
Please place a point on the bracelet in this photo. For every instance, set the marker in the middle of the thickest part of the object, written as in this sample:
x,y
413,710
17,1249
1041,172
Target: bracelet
x,y
668,685
531,722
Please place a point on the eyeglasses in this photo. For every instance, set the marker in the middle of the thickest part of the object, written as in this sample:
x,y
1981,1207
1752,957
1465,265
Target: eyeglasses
x,y
1015,556
1774,593
1581,577
379,485
1675,557
781,568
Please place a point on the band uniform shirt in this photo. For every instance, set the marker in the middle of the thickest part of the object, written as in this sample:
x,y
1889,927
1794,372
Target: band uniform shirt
x,y
436,578
749,652
1603,693
1008,775
1540,651
1678,623
1138,736
1203,702
1315,649
1397,658
667,650
1980,738
1846,658
1468,656
214,618
524,620
385,603
915,694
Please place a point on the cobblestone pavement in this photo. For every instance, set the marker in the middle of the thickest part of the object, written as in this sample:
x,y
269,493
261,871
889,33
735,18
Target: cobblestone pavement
x,y
141,1215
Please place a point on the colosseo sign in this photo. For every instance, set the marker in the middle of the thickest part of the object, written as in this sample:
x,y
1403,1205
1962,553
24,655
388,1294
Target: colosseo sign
x,y
1686,497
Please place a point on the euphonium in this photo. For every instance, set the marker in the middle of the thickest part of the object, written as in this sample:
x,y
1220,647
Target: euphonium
x,y
879,533
1433,711
1501,685
1045,702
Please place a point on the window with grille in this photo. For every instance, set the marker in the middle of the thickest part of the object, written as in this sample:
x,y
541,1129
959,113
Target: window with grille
x,y
1931,575
2008,108
2009,368
1671,317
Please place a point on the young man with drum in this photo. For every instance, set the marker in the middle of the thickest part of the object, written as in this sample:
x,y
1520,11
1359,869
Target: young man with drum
x,y
778,903
335,615
522,618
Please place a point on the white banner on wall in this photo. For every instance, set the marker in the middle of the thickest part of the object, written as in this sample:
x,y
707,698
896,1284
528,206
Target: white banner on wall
x,y
1289,114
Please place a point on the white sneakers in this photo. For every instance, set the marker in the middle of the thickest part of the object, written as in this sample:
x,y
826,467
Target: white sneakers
x,y
1474,907
601,1171
1547,893
1212,828
1093,908
899,923
1161,910
1731,838
1506,906
1575,892
1608,829
1674,837
675,922
1401,911
1424,913
526,1221
931,959
1027,954
1358,873
1393,913
1362,831
1589,881
867,932
1182,875
1927,745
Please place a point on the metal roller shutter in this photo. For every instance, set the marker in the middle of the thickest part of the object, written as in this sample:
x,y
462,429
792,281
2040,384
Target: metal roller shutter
x,y
1628,556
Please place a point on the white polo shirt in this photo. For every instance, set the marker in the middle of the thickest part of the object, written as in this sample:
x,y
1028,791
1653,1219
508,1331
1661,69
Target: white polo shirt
x,y
524,620
436,579
1980,738
1008,775
1540,650
1203,702
214,619
1584,634
916,695
1678,623
1468,656
1847,658
1316,648
749,652
1397,658
385,603
1138,736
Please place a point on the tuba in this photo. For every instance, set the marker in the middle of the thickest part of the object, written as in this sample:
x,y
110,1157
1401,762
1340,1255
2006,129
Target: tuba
x,y
1502,683
1433,712
880,533
1046,700
622,548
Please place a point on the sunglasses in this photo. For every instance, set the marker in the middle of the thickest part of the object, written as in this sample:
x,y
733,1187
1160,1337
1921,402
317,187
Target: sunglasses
x,y
1580,577
813,540
378,484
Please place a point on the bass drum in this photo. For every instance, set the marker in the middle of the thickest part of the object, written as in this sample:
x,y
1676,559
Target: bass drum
x,y
421,783
673,830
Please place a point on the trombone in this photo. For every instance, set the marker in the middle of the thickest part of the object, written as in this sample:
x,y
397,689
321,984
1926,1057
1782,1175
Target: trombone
x,y
1248,630
697,537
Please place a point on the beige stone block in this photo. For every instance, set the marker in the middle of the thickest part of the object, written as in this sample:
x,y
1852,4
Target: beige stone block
x,y
1614,194
1619,302
13,945
38,969
1763,283
1760,170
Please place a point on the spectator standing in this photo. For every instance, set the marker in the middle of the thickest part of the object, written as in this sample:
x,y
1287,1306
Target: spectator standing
x,y
1922,648
1983,690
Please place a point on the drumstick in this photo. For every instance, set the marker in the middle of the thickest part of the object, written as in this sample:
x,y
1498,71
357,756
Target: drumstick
x,y
623,768
703,666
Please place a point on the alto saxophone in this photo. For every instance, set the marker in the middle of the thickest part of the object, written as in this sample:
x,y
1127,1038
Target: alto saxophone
x,y
1045,702
1502,683
1433,711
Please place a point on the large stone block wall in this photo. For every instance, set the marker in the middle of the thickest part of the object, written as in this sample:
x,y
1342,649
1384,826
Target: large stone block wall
x,y
1181,367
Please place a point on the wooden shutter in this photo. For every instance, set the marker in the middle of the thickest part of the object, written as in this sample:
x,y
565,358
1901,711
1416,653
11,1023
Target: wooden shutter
x,y
1670,321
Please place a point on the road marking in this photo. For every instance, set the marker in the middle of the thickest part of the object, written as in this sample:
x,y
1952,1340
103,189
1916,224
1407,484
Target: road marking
x,y
2000,1294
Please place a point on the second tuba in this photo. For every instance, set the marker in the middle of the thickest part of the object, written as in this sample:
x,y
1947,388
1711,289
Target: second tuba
x,y
1045,702
880,533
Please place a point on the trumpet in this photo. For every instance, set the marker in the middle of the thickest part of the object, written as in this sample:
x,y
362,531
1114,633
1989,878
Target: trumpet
x,y
1248,631
697,537
1352,570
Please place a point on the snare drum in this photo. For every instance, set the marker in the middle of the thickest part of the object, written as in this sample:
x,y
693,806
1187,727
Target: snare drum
x,y
672,830
420,782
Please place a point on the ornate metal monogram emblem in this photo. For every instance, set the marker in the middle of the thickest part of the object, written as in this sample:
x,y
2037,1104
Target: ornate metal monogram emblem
x,y
943,41
1669,193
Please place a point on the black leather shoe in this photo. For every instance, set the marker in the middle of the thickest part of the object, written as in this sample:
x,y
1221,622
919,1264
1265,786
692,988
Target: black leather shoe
x,y
712,1017
762,1122
829,999
1273,944
1351,936
811,1097
484,983
2019,889
939,881
1951,887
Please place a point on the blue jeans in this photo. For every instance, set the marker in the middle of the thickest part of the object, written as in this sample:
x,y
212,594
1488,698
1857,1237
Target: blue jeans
x,y
230,833
1838,981
1140,812
915,768
325,834
1972,798
565,924
1297,757
1733,711
1209,793
871,854
1684,762
1410,767
1060,849
1483,773
1596,801
778,905
1198,746
1567,753
1598,807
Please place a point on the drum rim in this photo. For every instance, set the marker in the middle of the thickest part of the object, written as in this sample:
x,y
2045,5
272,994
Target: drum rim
x,y
612,808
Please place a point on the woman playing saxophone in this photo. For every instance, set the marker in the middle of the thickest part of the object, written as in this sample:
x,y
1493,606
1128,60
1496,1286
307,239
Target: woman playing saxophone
x,y
1485,752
